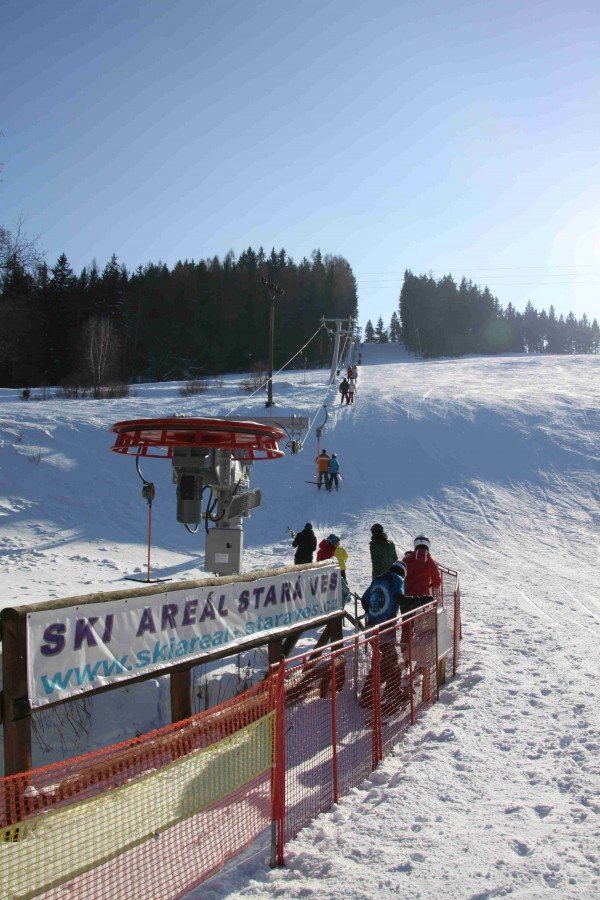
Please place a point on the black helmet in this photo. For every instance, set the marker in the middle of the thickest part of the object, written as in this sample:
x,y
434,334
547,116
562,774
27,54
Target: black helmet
x,y
377,528
399,568
308,526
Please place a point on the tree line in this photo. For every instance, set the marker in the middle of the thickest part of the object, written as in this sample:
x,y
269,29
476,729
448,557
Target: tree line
x,y
443,318
155,323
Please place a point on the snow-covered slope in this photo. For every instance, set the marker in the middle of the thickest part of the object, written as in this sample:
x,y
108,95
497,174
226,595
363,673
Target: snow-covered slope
x,y
496,790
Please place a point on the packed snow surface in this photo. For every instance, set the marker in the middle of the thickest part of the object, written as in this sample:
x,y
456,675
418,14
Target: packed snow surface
x,y
496,790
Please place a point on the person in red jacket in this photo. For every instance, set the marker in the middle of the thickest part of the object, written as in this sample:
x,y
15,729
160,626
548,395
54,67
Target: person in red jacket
x,y
423,575
327,547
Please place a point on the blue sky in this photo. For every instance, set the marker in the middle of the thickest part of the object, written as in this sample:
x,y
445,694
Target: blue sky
x,y
446,137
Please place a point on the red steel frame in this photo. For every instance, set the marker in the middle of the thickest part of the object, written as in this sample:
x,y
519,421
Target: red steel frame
x,y
248,441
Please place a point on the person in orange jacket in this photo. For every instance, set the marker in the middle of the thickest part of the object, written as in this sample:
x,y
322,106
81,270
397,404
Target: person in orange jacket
x,y
423,575
322,461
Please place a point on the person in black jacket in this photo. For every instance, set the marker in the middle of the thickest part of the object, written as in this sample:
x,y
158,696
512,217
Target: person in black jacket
x,y
305,543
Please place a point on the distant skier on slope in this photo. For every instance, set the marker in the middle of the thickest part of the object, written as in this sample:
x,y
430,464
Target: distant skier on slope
x,y
305,542
383,551
344,391
322,461
351,390
423,574
381,602
334,471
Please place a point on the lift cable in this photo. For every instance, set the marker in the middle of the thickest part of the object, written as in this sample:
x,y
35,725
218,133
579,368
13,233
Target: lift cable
x,y
322,403
264,384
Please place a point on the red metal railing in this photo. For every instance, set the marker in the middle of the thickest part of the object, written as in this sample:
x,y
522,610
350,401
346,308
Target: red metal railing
x,y
347,708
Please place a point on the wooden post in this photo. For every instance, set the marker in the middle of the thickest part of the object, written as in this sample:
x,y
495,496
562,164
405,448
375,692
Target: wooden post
x,y
181,694
336,630
275,652
16,712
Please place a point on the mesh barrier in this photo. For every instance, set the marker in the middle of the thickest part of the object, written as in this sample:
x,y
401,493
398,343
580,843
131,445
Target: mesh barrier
x,y
450,599
155,816
151,817
346,708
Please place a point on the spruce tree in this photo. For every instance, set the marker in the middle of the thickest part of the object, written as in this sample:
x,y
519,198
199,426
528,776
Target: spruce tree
x,y
395,331
381,335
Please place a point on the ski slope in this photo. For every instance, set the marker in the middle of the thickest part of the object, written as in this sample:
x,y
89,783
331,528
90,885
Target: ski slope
x,y
496,791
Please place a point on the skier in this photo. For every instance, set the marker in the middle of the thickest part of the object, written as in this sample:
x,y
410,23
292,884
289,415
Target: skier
x,y
344,391
423,575
381,602
322,461
341,554
351,390
334,469
327,547
383,551
305,543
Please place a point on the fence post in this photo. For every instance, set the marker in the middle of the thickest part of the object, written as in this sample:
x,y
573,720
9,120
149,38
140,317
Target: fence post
x,y
278,799
377,754
336,793
455,637
16,711
181,694
437,676
410,675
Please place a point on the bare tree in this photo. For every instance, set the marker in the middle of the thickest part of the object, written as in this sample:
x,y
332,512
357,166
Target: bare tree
x,y
17,247
101,345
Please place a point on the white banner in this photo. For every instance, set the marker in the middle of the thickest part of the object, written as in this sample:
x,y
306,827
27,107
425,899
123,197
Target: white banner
x,y
81,648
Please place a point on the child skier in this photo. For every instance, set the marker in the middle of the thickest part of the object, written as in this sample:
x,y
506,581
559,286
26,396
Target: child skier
x,y
334,469
327,547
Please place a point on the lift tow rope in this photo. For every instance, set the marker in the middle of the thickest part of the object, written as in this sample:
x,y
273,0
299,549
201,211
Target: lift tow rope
x,y
265,383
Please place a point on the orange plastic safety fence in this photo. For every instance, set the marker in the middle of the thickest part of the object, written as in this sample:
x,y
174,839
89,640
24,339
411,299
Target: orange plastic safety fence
x,y
151,817
154,816
346,708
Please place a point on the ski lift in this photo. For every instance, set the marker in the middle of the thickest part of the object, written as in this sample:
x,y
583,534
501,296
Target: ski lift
x,y
213,455
294,426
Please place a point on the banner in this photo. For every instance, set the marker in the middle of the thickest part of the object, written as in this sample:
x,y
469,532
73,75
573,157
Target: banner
x,y
82,648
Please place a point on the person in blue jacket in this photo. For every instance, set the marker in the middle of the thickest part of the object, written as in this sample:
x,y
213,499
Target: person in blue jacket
x,y
334,470
381,602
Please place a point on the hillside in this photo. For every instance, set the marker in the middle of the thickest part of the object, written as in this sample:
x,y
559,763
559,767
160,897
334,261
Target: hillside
x,y
498,459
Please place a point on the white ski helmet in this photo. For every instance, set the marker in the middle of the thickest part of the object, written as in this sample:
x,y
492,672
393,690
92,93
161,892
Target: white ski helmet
x,y
422,540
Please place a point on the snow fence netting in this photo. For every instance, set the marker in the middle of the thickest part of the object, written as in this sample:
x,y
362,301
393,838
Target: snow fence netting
x,y
157,815
150,817
347,705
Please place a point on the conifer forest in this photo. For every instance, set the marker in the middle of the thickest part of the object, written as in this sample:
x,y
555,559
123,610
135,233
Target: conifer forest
x,y
200,319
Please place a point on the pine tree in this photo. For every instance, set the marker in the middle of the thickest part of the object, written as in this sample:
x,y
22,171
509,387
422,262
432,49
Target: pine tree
x,y
369,333
395,330
595,337
381,335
